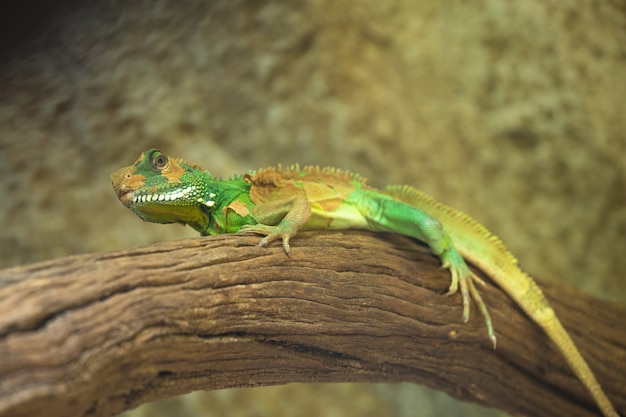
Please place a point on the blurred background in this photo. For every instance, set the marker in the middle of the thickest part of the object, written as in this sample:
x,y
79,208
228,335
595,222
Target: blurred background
x,y
513,112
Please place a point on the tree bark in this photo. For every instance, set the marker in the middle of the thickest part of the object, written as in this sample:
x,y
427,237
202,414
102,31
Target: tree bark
x,y
96,334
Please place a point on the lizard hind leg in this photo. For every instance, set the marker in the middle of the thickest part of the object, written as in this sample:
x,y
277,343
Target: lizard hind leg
x,y
384,213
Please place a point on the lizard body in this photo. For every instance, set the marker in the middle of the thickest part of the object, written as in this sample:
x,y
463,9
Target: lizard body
x,y
277,203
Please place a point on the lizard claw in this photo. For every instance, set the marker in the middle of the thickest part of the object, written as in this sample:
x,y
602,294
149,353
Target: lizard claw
x,y
454,284
273,236
465,279
270,235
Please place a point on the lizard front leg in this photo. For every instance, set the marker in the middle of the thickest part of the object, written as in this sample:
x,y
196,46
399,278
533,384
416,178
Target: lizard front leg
x,y
279,219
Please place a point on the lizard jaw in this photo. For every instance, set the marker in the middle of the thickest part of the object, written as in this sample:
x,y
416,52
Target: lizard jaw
x,y
126,197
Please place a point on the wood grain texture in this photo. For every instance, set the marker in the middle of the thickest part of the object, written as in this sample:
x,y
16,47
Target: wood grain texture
x,y
97,334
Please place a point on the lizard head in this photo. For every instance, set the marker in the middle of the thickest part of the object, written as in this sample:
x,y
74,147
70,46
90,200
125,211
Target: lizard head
x,y
160,189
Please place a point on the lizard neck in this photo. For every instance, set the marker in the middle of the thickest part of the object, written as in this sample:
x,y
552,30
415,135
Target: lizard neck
x,y
228,206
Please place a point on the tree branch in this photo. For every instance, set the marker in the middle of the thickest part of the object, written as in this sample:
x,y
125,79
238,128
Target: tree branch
x,y
101,333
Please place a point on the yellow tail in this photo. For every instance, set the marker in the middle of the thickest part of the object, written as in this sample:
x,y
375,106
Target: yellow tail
x,y
486,251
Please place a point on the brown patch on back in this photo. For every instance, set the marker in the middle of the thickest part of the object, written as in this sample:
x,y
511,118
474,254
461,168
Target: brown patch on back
x,y
325,188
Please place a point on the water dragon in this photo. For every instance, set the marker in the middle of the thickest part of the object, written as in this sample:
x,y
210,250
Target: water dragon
x,y
277,203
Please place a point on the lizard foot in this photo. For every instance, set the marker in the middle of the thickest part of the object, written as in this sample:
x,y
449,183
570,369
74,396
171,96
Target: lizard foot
x,y
271,234
465,279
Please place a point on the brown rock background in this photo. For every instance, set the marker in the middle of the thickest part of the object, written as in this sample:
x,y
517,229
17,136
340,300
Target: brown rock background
x,y
510,111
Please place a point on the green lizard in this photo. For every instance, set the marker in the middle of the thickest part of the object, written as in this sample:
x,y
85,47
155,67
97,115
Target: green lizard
x,y
278,202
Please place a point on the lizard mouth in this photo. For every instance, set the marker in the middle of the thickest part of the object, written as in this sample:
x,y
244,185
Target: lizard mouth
x,y
126,197
125,184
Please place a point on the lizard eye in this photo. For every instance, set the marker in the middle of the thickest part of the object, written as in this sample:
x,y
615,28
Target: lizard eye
x,y
159,161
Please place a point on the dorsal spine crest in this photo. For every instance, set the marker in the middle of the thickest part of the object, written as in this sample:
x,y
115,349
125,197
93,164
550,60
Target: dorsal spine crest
x,y
411,195
328,175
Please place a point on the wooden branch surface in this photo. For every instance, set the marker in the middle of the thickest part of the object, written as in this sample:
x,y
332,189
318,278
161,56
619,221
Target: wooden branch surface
x,y
97,334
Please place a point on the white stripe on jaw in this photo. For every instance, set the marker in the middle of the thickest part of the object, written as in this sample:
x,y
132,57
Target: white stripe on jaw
x,y
171,196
